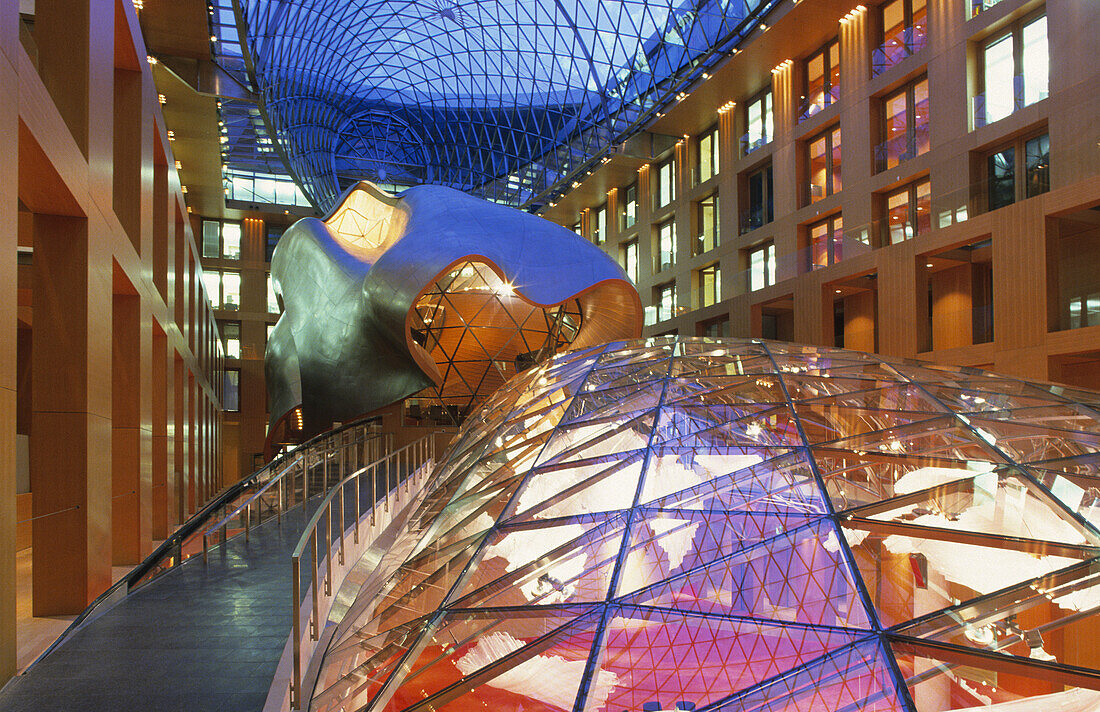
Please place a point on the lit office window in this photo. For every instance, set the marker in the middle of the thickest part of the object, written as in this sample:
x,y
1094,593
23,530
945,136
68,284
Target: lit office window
x,y
1010,180
822,80
212,281
666,301
707,159
706,222
905,125
231,291
211,239
599,225
710,285
758,118
231,391
826,242
1015,70
630,206
762,266
231,241
272,299
666,245
666,182
823,163
760,208
909,211
904,32
231,333
629,256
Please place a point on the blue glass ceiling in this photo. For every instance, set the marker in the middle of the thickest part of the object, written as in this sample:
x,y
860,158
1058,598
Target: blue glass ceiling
x,y
506,100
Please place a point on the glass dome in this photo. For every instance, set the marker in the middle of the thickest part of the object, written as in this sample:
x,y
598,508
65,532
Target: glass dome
x,y
721,524
505,100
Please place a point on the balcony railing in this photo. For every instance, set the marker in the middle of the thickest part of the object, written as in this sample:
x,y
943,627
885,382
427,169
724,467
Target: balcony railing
x,y
902,147
750,143
810,106
895,49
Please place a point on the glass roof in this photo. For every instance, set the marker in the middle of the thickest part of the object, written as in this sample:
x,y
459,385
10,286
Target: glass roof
x,y
506,100
676,524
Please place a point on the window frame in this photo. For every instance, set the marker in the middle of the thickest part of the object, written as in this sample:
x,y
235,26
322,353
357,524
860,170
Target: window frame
x,y
1015,32
699,244
767,121
912,41
768,271
659,199
630,198
598,224
659,235
830,90
912,127
625,262
1022,172
832,166
225,401
714,270
911,190
222,255
711,134
767,204
834,239
661,290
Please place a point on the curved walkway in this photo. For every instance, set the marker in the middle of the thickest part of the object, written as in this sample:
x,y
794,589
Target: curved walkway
x,y
201,638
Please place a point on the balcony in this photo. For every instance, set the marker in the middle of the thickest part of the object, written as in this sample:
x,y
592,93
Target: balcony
x,y
899,47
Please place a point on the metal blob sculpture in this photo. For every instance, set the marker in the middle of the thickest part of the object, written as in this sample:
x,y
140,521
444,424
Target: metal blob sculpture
x,y
434,291
504,100
729,524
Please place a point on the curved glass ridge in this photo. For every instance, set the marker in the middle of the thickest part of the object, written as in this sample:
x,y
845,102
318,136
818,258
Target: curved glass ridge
x,y
504,100
722,524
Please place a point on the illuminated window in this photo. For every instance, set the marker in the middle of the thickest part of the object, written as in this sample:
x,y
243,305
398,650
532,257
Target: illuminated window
x,y
599,224
904,33
706,224
666,245
909,211
822,80
231,291
1009,179
628,254
905,125
707,157
758,118
274,232
823,165
826,242
1015,70
710,285
761,266
760,208
221,240
666,301
212,282
666,183
231,391
231,334
630,206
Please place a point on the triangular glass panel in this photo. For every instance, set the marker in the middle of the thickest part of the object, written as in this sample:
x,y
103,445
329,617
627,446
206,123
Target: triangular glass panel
x,y
797,576
600,484
563,561
758,480
677,660
852,679
823,423
509,669
723,391
726,426
911,571
665,542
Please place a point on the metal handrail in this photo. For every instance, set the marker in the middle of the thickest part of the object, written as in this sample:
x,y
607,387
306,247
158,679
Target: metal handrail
x,y
412,459
170,553
358,447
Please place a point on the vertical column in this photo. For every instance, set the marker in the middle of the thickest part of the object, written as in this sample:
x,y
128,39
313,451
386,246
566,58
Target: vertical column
x,y
179,440
192,431
130,491
75,41
71,342
159,402
8,345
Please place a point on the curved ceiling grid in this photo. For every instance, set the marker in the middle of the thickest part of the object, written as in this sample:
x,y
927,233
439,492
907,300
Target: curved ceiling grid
x,y
505,100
